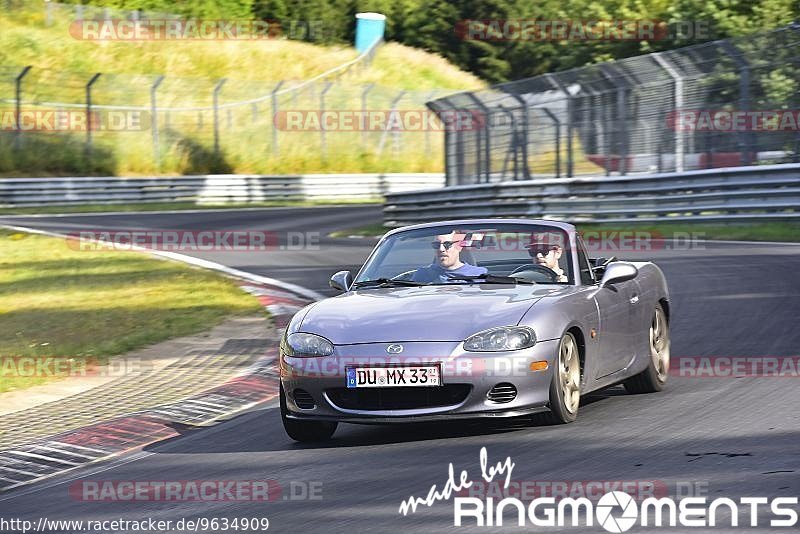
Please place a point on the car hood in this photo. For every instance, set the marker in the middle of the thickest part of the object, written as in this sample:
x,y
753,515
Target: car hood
x,y
431,313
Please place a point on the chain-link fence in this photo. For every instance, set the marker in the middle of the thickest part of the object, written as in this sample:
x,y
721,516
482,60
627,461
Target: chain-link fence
x,y
106,123
718,104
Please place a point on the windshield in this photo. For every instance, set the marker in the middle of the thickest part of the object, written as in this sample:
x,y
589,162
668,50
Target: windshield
x,y
471,254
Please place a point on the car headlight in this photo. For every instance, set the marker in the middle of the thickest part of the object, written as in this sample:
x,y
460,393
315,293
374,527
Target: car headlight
x,y
500,339
302,345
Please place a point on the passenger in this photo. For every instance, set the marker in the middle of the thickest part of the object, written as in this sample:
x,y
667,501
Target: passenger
x,y
547,254
447,261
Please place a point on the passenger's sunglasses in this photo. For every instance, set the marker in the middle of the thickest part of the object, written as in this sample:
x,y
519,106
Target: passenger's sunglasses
x,y
436,245
544,251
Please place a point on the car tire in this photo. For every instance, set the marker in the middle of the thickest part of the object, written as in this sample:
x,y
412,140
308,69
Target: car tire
x,y
565,387
305,431
655,376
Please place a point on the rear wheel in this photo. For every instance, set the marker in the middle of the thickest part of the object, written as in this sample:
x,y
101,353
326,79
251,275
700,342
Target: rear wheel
x,y
565,388
305,431
655,376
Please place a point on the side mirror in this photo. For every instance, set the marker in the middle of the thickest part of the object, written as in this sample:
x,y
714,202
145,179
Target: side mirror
x,y
618,271
341,281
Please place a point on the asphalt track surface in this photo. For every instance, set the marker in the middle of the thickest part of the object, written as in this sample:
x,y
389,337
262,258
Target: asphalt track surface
x,y
733,437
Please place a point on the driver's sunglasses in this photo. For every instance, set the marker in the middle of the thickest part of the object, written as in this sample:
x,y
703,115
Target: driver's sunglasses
x,y
446,244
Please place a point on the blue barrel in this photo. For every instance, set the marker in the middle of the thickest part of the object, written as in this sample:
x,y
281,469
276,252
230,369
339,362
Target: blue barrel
x,y
369,28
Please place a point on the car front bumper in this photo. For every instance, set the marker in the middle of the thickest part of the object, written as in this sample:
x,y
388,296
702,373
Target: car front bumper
x,y
316,387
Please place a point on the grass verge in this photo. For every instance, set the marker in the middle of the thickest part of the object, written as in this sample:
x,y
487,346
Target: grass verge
x,y
56,301
768,231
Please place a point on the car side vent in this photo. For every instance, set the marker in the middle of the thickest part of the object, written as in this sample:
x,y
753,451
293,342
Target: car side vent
x,y
303,399
502,393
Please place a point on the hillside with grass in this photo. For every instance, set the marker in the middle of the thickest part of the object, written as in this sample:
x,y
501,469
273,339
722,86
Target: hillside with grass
x,y
62,66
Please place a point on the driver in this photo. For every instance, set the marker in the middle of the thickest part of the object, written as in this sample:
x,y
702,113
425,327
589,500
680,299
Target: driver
x,y
547,254
447,261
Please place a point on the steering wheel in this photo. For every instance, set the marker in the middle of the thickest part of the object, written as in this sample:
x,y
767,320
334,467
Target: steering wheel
x,y
550,273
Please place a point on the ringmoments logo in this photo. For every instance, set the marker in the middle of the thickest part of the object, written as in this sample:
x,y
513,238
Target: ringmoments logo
x,y
615,511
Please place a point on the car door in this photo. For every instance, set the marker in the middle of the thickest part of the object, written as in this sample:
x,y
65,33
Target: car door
x,y
617,308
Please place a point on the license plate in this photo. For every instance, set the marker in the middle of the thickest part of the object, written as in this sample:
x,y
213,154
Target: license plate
x,y
382,377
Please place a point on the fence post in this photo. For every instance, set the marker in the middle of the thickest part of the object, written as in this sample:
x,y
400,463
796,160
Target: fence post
x,y
428,98
484,132
89,113
217,89
364,121
744,97
18,105
386,131
570,120
323,144
526,174
621,130
557,124
48,13
154,121
274,102
678,123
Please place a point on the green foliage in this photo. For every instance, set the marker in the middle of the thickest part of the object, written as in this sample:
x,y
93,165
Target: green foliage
x,y
432,25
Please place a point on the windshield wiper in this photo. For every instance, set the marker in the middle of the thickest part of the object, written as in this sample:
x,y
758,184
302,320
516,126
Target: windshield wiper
x,y
491,279
387,282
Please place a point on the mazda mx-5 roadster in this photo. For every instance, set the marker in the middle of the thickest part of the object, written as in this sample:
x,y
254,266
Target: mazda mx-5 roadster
x,y
469,319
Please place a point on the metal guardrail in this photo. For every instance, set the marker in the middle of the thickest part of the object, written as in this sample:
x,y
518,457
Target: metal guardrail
x,y
740,193
210,189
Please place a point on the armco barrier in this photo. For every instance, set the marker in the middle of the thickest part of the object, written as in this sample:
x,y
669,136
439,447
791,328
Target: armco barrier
x,y
209,189
743,193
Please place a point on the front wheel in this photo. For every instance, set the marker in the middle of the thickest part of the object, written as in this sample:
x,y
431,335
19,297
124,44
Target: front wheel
x,y
305,431
654,377
565,388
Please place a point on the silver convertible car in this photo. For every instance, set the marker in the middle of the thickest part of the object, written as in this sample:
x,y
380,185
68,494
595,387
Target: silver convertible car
x,y
473,318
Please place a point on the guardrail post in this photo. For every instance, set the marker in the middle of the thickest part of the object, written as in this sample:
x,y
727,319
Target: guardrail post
x,y
89,114
673,73
274,101
18,106
217,89
154,121
570,120
323,144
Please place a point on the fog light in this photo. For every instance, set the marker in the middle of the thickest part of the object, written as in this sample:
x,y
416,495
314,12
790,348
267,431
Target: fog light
x,y
538,366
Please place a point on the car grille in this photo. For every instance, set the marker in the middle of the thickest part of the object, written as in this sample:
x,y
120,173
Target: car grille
x,y
400,398
303,399
502,393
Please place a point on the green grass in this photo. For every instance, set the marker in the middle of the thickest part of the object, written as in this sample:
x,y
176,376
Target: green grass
x,y
62,65
767,231
170,206
56,301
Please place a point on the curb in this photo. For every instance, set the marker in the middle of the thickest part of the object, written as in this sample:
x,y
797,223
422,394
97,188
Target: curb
x,y
54,455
